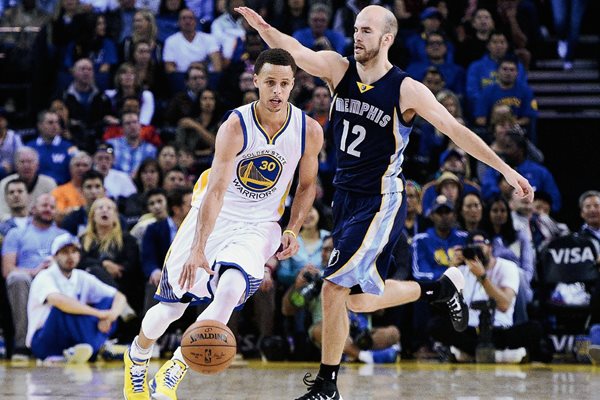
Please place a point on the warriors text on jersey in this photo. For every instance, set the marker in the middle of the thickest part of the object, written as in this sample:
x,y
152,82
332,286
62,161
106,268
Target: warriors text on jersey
x,y
264,169
368,131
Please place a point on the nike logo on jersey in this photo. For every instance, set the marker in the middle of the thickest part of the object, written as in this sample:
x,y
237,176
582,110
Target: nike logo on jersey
x,y
363,87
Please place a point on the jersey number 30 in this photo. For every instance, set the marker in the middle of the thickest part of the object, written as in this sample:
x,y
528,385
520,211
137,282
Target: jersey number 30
x,y
356,130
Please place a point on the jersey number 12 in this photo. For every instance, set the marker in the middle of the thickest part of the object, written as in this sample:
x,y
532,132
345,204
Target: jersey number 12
x,y
356,130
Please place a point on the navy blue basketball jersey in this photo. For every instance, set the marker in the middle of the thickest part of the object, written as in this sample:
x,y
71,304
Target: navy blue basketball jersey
x,y
368,131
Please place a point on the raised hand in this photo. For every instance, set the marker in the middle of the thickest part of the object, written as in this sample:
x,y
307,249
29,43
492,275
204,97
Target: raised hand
x,y
254,19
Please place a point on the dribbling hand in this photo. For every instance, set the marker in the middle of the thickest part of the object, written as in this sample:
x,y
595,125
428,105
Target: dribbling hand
x,y
254,19
196,260
289,246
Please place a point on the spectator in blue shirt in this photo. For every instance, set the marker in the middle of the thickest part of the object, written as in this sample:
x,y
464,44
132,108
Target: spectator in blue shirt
x,y
431,19
55,152
436,49
514,150
507,90
483,72
317,36
130,149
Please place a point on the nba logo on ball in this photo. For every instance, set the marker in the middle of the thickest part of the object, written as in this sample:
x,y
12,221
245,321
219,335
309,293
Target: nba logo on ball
x,y
208,347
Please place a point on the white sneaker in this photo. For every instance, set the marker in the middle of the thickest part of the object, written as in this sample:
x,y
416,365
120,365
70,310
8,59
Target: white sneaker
x,y
78,354
561,48
511,356
461,356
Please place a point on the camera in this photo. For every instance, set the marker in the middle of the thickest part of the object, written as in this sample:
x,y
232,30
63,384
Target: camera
x,y
472,251
308,292
485,351
359,331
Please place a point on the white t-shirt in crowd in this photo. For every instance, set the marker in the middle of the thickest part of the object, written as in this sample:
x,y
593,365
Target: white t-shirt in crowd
x,y
504,274
118,184
82,286
181,52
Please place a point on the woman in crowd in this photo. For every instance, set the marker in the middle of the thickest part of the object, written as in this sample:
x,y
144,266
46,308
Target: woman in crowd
x,y
148,177
470,211
149,72
144,29
167,158
127,85
415,222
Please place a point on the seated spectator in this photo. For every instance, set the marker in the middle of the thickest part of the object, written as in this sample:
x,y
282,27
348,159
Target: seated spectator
x,y
54,152
128,85
92,43
70,129
130,149
189,45
227,29
17,198
27,169
199,134
415,222
175,179
482,73
470,212
474,45
25,253
117,183
589,208
437,56
167,18
447,185
154,245
148,133
451,102
514,149
70,311
431,21
310,241
488,277
144,29
434,80
120,20
148,177
512,245
92,188
156,210
186,103
10,142
507,90
167,158
110,253
294,16
150,73
86,103
317,36
69,196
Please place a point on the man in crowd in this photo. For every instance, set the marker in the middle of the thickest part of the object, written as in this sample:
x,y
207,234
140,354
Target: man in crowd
x,y
130,149
118,183
69,195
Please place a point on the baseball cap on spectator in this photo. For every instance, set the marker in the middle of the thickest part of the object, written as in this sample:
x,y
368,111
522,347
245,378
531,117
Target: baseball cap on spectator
x,y
105,147
447,177
62,241
431,12
441,203
451,153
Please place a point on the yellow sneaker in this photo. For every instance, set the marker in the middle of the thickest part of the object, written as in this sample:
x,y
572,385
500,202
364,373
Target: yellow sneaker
x,y
135,385
167,379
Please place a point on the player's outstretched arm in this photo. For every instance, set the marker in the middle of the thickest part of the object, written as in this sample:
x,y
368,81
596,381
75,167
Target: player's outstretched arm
x,y
229,142
419,98
328,65
306,190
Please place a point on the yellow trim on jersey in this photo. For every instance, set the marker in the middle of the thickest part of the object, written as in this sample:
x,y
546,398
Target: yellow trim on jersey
x,y
281,207
363,87
281,128
200,185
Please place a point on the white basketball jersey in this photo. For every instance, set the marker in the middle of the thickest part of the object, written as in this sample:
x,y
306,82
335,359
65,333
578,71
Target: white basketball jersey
x,y
264,169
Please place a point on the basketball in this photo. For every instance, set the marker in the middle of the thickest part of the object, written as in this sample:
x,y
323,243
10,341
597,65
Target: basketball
x,y
208,347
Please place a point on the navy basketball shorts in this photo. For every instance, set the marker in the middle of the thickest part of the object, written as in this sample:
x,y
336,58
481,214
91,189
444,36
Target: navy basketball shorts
x,y
366,229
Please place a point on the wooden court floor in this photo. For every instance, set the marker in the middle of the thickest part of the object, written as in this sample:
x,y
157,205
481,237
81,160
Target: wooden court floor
x,y
257,380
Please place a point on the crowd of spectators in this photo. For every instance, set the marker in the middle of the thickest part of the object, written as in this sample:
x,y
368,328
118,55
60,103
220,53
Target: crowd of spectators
x,y
129,96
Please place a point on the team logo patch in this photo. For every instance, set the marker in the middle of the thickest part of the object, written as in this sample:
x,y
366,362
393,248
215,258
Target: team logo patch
x,y
363,87
333,259
259,174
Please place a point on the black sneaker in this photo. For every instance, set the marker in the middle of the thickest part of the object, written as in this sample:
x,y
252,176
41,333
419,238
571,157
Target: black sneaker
x,y
452,283
318,389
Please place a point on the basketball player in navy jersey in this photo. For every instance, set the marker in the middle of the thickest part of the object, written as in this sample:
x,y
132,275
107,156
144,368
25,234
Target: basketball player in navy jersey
x,y
374,105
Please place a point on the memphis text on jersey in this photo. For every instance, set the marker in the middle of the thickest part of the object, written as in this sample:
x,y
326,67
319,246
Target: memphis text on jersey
x,y
257,174
363,109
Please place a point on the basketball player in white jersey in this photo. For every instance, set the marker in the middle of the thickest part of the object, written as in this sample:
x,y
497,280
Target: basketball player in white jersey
x,y
220,250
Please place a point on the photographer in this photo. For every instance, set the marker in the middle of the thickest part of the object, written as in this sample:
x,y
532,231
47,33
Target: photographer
x,y
366,344
491,285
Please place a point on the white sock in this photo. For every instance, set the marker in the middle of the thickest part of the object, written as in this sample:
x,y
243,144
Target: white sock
x,y
178,356
138,352
366,356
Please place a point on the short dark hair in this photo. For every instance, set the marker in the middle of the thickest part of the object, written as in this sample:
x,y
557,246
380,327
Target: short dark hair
x,y
497,33
275,57
199,67
478,232
509,58
154,192
543,196
517,136
175,198
176,168
12,182
91,175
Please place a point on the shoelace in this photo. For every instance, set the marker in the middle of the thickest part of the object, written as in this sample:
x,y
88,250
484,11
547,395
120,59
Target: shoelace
x,y
310,383
173,375
455,307
138,377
